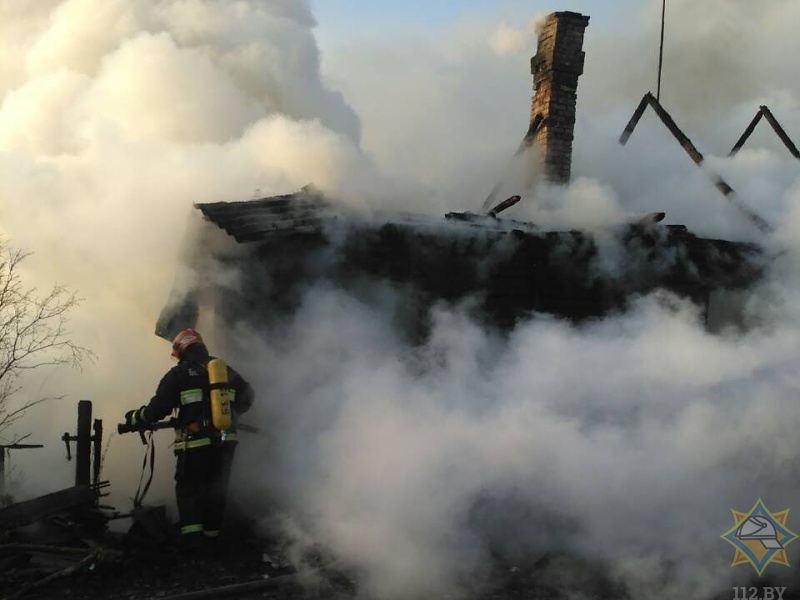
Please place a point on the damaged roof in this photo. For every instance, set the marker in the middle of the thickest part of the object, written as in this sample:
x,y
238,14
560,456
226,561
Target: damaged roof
x,y
513,268
253,220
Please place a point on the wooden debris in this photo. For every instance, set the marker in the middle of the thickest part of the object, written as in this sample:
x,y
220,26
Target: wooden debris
x,y
536,124
507,203
649,219
6,548
30,511
85,561
235,589
14,561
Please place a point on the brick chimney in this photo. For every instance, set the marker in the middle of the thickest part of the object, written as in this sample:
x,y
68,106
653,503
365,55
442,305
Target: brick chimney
x,y
556,67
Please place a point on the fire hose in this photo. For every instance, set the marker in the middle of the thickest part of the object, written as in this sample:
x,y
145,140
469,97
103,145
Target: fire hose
x,y
141,428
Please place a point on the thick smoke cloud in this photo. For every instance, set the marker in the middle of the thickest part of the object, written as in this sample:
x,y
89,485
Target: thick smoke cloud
x,y
626,441
115,118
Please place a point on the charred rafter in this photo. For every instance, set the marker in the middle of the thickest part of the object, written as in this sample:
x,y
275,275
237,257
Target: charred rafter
x,y
765,112
536,124
693,153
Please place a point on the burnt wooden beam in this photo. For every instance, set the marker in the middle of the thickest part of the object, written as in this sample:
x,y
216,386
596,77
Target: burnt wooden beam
x,y
66,572
22,446
764,111
665,117
13,561
30,511
682,138
650,218
527,142
530,135
491,197
507,203
747,132
779,130
748,212
697,157
694,154
637,116
235,589
7,548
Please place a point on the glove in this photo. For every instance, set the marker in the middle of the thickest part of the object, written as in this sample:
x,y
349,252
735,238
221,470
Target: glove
x,y
134,419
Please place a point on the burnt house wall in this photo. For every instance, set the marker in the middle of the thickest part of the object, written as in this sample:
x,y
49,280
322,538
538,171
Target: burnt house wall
x,y
505,276
555,68
276,249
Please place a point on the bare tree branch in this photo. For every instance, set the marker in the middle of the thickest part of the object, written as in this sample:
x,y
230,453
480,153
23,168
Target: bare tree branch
x,y
33,333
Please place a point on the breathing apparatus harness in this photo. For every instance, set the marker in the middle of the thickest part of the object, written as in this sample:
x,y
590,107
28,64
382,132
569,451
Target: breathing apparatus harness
x,y
217,405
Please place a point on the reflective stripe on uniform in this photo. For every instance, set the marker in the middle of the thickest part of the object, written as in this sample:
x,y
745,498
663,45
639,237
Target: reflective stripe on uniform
x,y
197,528
212,533
191,396
225,437
188,445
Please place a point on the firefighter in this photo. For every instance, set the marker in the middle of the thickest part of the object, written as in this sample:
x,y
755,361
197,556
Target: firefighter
x,y
207,395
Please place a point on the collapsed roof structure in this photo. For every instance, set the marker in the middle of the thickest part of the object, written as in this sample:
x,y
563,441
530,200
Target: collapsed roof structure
x,y
507,269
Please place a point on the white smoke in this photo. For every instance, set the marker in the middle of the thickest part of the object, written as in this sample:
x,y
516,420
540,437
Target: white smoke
x,y
629,439
114,119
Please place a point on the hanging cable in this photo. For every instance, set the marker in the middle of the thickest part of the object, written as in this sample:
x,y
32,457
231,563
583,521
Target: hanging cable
x,y
661,50
142,492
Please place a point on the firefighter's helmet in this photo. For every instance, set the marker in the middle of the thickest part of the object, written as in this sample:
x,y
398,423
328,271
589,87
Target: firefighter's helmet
x,y
184,339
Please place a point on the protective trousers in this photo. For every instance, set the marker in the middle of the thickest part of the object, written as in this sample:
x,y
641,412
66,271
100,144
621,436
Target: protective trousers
x,y
201,487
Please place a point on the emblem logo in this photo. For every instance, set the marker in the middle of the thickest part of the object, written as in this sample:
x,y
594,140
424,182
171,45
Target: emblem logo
x,y
760,537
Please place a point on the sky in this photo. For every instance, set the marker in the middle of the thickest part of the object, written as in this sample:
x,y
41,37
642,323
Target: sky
x,y
115,117
335,18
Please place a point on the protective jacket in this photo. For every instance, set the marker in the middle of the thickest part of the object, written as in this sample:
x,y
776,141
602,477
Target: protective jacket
x,y
186,388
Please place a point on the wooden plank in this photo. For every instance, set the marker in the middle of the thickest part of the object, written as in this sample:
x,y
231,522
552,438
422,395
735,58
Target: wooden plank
x,y
33,548
236,589
755,218
740,142
779,130
507,203
682,138
30,511
66,572
637,116
536,124
533,129
491,197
